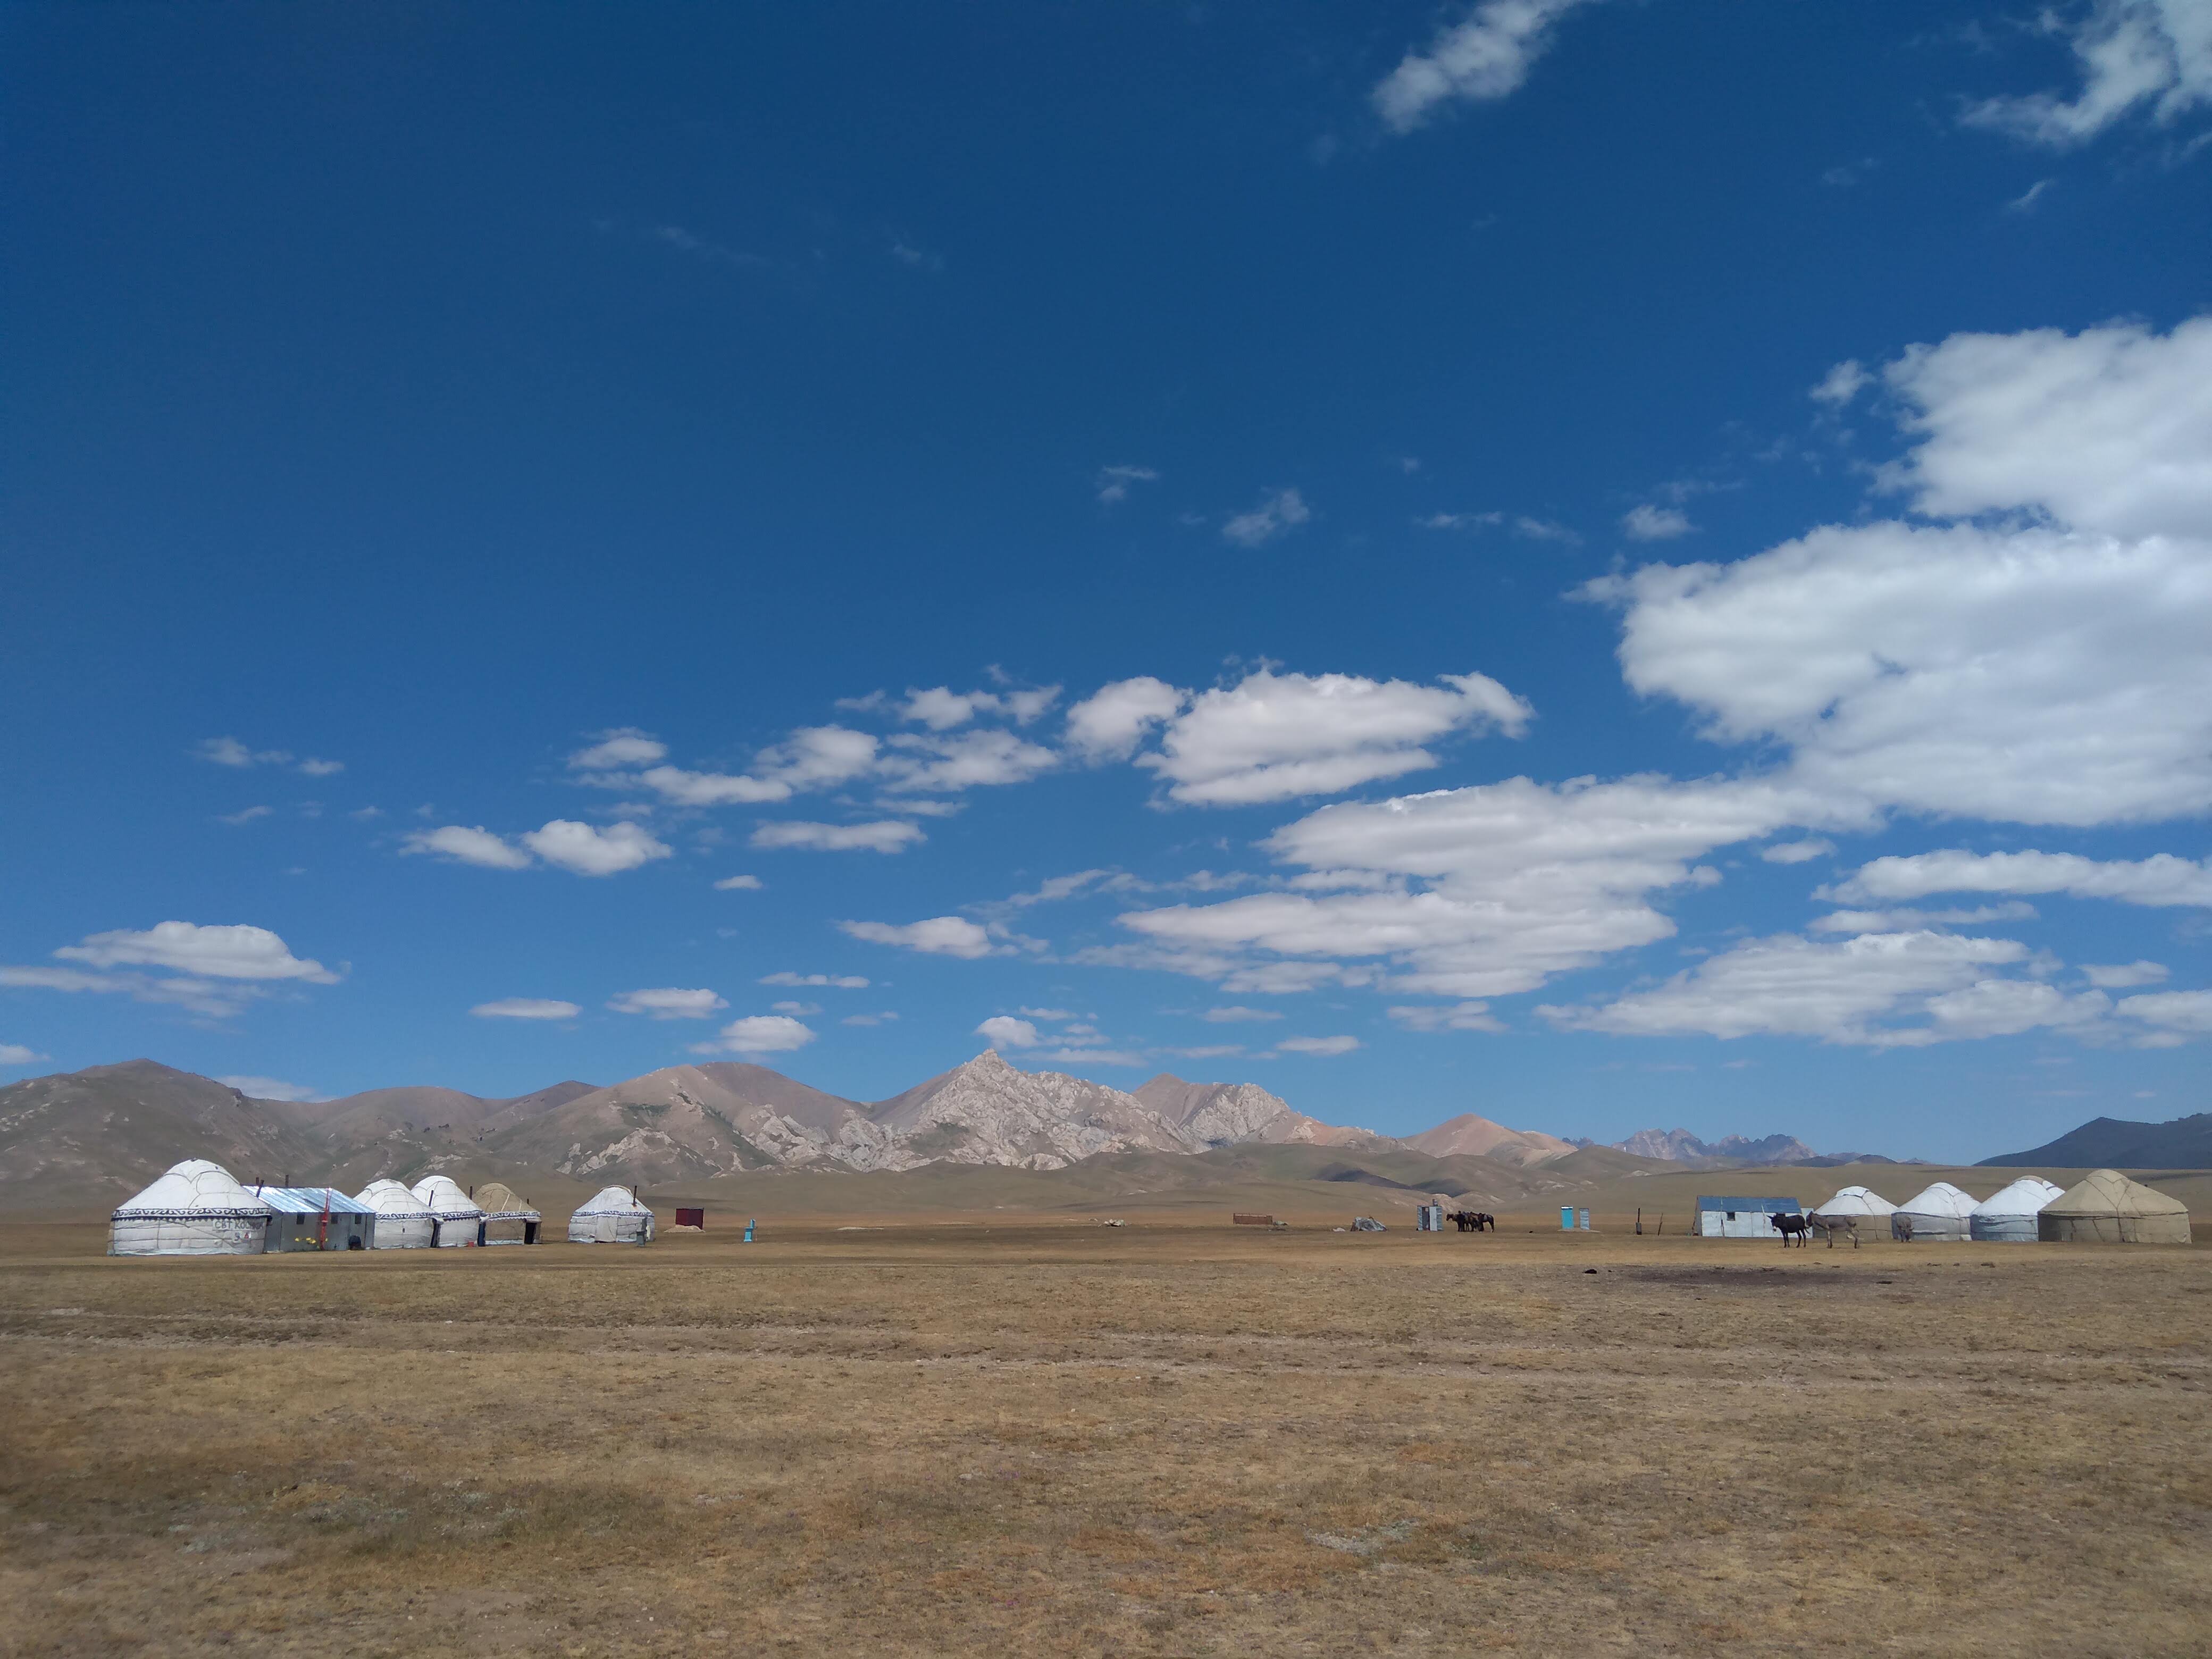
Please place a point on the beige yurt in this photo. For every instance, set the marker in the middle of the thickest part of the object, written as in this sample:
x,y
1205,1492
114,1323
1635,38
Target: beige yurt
x,y
1862,1205
613,1217
1940,1215
508,1219
455,1218
403,1220
196,1208
2108,1208
2007,1217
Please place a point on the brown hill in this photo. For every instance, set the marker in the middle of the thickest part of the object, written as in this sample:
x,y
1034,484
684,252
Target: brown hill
x,y
1483,1139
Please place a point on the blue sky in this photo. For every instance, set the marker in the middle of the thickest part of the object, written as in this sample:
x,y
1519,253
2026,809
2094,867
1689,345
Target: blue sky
x,y
1603,564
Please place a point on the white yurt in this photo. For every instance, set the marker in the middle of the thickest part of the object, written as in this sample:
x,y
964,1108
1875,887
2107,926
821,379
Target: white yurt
x,y
613,1217
2009,1217
2105,1208
195,1209
456,1218
1860,1204
403,1220
1939,1214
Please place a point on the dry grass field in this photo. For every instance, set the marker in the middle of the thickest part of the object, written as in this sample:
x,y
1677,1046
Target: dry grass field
x,y
1068,1439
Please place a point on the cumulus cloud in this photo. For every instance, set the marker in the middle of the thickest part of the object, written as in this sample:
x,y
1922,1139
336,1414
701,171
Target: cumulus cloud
x,y
526,1008
1273,737
1447,1016
1112,722
1236,1014
684,789
667,1004
271,1088
246,815
841,981
1842,384
468,845
235,951
939,936
586,850
818,757
623,746
2172,1016
1797,851
1459,521
1004,1031
2120,975
798,1010
889,835
1485,55
1907,921
1278,512
2163,879
1648,523
1113,482
2152,57
738,885
967,760
760,1034
1322,1046
14,1053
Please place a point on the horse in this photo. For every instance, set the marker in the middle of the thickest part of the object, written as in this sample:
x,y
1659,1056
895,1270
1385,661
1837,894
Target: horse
x,y
1473,1221
1829,1225
1791,1226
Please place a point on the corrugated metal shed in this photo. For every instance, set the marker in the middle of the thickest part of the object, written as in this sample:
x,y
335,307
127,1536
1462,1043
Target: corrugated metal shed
x,y
1722,1216
297,1223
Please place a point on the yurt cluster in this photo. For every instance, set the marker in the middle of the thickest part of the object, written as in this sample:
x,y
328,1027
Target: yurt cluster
x,y
2105,1208
198,1208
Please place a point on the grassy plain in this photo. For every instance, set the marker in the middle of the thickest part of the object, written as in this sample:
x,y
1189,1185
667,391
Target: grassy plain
x,y
1034,1436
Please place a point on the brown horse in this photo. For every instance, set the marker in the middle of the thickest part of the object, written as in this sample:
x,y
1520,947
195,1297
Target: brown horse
x,y
1791,1226
1473,1221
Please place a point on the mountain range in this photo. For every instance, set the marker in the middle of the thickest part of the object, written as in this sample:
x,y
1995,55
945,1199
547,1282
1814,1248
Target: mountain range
x,y
2113,1143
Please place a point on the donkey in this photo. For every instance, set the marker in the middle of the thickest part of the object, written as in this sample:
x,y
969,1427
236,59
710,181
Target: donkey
x,y
1829,1225
1791,1226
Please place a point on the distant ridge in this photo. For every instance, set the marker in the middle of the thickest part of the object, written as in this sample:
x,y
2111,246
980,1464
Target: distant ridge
x,y
2113,1143
1478,1137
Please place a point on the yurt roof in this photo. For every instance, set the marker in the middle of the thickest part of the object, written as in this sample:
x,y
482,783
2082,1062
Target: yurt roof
x,y
196,1185
497,1198
1856,1200
1940,1199
2024,1197
2107,1192
444,1198
390,1197
612,1200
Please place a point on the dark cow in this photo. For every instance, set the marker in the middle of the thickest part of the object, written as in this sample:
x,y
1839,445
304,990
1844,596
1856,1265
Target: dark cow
x,y
1791,1226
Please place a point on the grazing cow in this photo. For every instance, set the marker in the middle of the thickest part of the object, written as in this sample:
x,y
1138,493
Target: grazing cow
x,y
1791,1226
1829,1225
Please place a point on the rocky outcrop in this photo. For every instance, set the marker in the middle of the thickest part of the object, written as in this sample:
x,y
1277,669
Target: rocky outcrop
x,y
1237,1113
986,1112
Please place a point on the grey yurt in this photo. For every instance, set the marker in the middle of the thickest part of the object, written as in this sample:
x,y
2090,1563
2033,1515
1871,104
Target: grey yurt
x,y
2009,1217
403,1220
315,1218
1941,1214
614,1217
508,1219
455,1217
194,1209
1860,1204
2108,1208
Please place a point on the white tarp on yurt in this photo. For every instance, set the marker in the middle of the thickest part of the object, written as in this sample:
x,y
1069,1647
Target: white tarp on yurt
x,y
403,1220
2108,1208
2009,1217
614,1217
1860,1204
195,1209
1941,1214
456,1216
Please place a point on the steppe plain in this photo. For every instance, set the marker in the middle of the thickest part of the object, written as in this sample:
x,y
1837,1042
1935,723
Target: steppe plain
x,y
1020,1432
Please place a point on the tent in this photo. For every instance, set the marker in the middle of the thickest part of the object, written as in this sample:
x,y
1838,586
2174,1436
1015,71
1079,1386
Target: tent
x,y
403,1220
2108,1208
613,1217
1861,1203
509,1219
1938,1214
195,1209
2009,1217
316,1218
455,1219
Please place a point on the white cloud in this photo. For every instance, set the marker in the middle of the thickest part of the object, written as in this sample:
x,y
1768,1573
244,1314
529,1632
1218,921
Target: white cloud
x,y
2108,430
840,982
205,997
738,885
889,835
1322,1046
1647,523
587,851
885,1017
526,1008
761,1034
476,845
1278,512
235,951
1907,921
1208,1051
712,788
1458,521
1450,1017
1797,851
1236,1014
1111,723
2026,201
2155,56
229,751
818,757
2119,976
2163,879
271,1088
14,1053
971,760
245,815
939,936
1485,55
1113,482
667,1004
797,1010
313,768
1273,736
2174,1015
940,709
1004,1031
1842,384
1544,529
